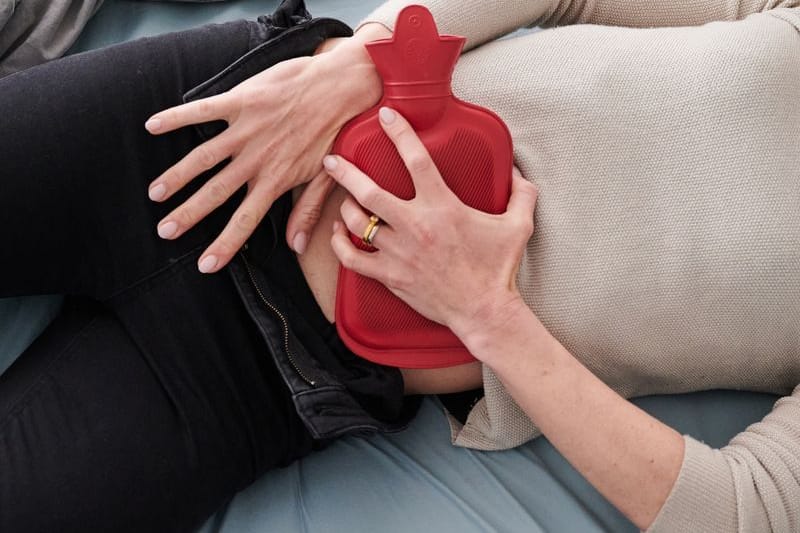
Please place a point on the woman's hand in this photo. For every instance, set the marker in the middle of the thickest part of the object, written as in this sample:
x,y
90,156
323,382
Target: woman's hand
x,y
281,123
457,266
453,264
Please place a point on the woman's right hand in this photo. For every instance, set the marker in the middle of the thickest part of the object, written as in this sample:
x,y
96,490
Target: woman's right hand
x,y
281,122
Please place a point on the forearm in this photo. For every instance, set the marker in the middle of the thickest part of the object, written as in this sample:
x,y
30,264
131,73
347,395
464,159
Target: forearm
x,y
658,13
663,13
630,457
481,21
477,20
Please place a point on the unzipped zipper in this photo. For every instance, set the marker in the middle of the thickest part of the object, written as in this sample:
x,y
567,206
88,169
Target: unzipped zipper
x,y
283,320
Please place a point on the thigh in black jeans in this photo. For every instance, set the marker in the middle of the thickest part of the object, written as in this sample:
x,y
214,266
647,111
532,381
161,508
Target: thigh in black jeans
x,y
150,400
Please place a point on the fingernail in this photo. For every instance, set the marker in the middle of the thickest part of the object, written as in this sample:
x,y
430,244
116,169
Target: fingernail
x,y
387,115
300,242
208,264
167,229
157,192
336,225
153,125
329,162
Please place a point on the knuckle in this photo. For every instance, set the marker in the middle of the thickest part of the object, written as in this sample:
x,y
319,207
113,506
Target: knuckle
x,y
526,187
525,226
350,218
185,217
246,221
528,227
424,234
269,190
172,116
268,155
205,157
427,237
344,208
530,188
225,247
402,132
419,163
218,192
371,197
281,166
263,157
205,108
174,178
311,213
349,259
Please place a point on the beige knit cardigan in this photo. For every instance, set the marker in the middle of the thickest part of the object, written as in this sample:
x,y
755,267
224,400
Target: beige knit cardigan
x,y
664,136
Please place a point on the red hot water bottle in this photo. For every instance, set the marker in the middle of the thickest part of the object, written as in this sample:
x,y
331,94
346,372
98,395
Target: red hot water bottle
x,y
472,149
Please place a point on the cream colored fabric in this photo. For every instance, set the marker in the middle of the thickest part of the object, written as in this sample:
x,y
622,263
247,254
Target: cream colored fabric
x,y
664,137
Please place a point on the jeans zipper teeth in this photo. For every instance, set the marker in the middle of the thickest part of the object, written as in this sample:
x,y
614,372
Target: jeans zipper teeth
x,y
283,320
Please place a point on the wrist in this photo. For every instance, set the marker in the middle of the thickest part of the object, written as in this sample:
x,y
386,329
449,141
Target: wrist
x,y
347,59
504,319
371,31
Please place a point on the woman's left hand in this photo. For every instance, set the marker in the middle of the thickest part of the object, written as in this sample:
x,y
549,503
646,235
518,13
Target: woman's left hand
x,y
453,264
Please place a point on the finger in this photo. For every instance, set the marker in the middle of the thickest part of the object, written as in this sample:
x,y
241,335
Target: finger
x,y
364,190
523,196
216,107
307,211
357,221
215,192
427,180
364,263
202,158
522,204
240,227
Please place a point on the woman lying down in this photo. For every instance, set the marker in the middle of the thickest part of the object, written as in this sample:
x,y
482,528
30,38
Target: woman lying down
x,y
196,350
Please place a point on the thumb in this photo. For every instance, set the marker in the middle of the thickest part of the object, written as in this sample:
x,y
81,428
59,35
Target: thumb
x,y
307,211
523,196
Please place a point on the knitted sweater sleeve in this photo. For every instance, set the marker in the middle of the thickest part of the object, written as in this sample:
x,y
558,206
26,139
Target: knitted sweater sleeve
x,y
752,484
484,20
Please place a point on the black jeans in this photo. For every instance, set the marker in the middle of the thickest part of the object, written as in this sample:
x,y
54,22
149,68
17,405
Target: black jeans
x,y
150,400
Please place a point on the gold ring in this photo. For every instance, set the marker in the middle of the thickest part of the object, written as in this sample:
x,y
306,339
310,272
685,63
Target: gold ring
x,y
370,230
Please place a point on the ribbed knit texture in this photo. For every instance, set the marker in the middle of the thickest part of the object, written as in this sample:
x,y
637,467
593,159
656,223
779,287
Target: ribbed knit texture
x,y
664,136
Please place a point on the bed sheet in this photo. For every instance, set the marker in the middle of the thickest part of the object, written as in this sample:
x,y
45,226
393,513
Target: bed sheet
x,y
414,480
